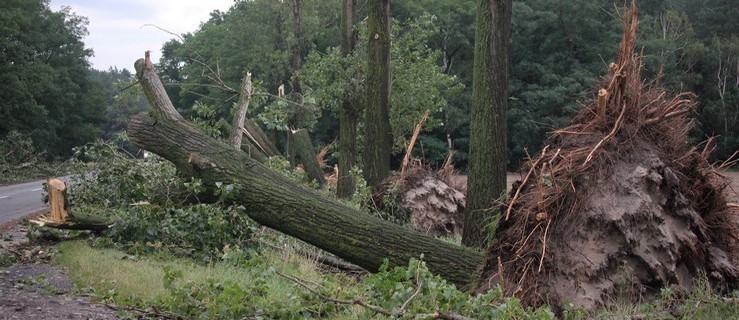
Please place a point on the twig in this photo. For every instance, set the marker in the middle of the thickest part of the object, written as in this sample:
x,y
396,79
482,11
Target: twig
x,y
412,143
521,247
616,127
355,301
544,246
419,285
448,316
523,183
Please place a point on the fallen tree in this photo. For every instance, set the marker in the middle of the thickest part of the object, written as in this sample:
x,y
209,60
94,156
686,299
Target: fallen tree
x,y
277,202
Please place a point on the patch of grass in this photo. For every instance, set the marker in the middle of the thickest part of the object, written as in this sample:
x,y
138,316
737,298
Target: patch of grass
x,y
108,269
180,285
701,304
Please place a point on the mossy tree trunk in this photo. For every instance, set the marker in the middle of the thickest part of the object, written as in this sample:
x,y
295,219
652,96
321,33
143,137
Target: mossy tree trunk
x,y
275,201
348,112
486,181
378,139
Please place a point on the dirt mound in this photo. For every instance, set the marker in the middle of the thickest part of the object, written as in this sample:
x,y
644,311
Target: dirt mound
x,y
617,206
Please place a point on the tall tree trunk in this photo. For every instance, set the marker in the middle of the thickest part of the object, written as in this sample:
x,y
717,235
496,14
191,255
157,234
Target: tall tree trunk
x,y
378,139
488,145
276,202
348,112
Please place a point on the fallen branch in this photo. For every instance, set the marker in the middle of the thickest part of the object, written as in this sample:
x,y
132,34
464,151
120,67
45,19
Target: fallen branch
x,y
419,286
355,301
238,123
449,316
71,224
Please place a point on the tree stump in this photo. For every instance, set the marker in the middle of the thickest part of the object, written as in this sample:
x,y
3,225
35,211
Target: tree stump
x,y
60,209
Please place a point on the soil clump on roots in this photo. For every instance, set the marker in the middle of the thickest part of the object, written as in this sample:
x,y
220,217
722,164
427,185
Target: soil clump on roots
x,y
618,205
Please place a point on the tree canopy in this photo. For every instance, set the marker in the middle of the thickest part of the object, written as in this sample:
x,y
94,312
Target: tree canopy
x,y
557,49
47,89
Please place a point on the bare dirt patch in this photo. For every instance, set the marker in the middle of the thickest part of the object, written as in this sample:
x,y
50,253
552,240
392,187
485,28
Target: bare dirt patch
x,y
34,289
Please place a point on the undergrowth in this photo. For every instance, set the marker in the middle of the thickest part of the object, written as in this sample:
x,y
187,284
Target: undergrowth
x,y
275,285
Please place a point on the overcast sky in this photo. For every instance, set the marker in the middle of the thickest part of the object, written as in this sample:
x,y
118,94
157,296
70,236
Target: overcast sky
x,y
117,32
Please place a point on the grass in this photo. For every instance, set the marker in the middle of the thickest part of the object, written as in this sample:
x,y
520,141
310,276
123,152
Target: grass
x,y
255,288
115,276
100,268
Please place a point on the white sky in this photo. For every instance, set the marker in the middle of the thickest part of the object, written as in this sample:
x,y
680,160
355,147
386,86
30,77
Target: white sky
x,y
117,32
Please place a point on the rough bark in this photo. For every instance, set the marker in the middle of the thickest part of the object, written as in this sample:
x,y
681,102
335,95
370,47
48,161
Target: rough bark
x,y
154,90
238,123
276,202
488,154
304,153
378,139
348,112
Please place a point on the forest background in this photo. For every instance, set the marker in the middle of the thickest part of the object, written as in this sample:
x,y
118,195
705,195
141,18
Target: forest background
x,y
54,101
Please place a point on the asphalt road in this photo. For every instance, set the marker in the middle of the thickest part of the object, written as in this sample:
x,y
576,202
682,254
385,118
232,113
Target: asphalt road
x,y
20,200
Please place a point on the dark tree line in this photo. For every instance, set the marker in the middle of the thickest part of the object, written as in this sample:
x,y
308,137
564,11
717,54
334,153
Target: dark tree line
x,y
557,49
47,90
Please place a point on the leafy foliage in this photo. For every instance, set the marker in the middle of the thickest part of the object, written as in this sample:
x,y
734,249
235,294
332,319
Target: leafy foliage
x,y
152,208
47,89
418,85
401,292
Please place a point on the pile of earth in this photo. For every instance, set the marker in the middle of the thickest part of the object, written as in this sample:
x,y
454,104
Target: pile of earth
x,y
618,205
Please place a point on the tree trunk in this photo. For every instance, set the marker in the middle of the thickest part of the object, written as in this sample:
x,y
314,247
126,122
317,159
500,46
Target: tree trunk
x,y
300,140
348,112
488,146
241,113
60,209
276,202
378,139
154,90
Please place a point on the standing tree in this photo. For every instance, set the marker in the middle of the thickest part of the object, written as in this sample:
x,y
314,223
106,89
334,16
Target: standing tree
x,y
347,111
488,153
378,138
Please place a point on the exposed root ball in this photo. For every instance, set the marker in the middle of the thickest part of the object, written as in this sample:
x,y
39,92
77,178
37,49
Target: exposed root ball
x,y
434,206
618,205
